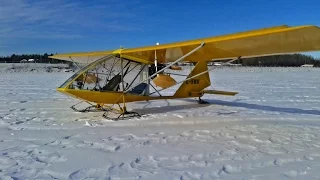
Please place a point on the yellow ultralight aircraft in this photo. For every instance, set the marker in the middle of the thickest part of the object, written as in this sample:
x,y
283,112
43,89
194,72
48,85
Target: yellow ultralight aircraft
x,y
140,74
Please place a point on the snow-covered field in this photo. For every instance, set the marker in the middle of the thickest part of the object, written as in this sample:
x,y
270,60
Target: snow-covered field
x,y
270,130
33,67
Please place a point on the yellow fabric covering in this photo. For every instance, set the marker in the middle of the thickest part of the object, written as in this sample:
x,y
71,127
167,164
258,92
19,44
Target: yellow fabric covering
x,y
164,81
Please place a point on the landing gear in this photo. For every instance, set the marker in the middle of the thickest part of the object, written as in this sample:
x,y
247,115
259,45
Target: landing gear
x,y
87,109
99,107
122,114
110,112
200,101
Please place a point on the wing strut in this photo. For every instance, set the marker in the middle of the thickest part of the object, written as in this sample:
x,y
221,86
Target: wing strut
x,y
194,76
168,66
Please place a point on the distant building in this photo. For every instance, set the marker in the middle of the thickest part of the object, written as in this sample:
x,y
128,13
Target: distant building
x,y
230,64
307,65
217,64
223,64
23,61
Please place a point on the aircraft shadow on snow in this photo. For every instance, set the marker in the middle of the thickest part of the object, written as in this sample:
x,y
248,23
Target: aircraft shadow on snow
x,y
168,108
264,107
172,107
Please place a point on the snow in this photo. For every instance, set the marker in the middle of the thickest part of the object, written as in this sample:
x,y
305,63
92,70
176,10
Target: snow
x,y
270,130
33,67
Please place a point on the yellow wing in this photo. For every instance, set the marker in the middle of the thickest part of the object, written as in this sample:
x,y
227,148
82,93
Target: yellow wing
x,y
261,42
276,40
82,57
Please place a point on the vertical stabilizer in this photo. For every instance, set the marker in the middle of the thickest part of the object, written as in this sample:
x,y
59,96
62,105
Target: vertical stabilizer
x,y
194,86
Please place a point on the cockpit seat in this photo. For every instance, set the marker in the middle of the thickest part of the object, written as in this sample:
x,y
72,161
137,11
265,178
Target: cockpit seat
x,y
113,84
139,89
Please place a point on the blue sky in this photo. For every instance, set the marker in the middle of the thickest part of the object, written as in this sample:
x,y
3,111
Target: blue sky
x,y
60,26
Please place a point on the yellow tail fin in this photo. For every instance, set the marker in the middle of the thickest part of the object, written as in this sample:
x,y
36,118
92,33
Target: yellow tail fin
x,y
194,86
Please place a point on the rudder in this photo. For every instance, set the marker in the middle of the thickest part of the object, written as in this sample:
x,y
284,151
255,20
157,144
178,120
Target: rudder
x,y
194,86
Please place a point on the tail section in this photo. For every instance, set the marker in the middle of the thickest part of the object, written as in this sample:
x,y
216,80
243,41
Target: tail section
x,y
194,86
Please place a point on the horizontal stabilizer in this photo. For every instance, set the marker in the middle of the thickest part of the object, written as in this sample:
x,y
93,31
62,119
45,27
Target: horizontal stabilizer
x,y
227,93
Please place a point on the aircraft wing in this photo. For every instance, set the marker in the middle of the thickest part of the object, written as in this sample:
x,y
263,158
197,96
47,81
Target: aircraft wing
x,y
82,57
261,42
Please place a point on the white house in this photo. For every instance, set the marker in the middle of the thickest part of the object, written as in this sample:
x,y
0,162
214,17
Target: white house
x,y
307,65
31,60
23,61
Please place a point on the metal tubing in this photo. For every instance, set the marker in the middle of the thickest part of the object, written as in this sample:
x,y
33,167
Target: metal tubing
x,y
177,74
168,66
155,90
122,74
191,77
136,76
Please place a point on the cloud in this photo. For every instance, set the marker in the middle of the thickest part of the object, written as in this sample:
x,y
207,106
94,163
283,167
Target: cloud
x,y
62,19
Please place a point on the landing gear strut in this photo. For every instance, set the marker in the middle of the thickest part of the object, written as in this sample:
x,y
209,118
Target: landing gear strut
x,y
200,101
89,108
123,114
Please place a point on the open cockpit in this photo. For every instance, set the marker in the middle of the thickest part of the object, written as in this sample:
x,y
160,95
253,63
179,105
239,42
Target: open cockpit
x,y
111,73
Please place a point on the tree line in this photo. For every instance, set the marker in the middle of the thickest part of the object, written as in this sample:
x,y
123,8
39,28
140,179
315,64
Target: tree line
x,y
38,58
292,60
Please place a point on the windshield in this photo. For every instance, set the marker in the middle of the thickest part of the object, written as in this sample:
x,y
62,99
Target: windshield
x,y
82,70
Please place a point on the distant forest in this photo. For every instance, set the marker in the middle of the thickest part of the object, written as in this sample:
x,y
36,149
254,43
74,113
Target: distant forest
x,y
39,58
292,60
